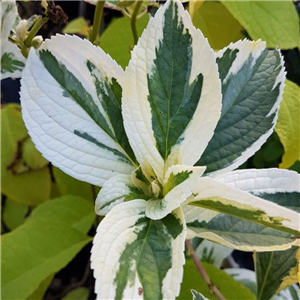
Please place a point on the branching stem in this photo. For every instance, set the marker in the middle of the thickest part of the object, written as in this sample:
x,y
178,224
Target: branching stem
x,y
34,30
203,273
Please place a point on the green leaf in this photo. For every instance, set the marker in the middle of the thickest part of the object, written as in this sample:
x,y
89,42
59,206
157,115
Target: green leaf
x,y
252,84
198,296
44,244
141,257
12,61
14,213
67,185
242,235
275,22
82,133
81,293
78,25
117,39
168,90
275,271
288,124
29,187
217,24
229,288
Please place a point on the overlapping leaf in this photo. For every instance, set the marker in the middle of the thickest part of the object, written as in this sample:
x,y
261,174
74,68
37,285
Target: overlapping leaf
x,y
73,111
252,85
280,187
134,257
223,198
171,99
242,235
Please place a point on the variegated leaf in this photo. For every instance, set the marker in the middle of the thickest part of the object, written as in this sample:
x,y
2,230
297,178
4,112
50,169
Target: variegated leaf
x,y
278,186
172,93
220,197
178,185
275,271
134,257
73,110
12,61
193,214
259,181
252,86
116,190
241,235
248,279
198,296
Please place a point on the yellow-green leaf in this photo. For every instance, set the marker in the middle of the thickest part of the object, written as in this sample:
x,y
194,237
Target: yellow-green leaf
x,y
275,22
288,124
68,185
19,181
117,39
216,23
38,294
81,293
78,25
48,240
194,6
14,214
32,157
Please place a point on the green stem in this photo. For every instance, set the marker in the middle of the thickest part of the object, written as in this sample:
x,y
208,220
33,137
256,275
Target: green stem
x,y
34,30
97,21
133,21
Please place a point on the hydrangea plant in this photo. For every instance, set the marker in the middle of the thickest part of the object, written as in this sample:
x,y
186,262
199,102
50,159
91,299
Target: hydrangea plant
x,y
162,139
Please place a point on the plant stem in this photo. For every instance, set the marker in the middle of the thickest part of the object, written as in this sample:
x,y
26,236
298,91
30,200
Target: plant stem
x,y
34,30
203,273
133,21
97,21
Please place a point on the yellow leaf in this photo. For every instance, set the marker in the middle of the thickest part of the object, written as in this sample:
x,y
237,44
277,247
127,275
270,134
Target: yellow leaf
x,y
288,125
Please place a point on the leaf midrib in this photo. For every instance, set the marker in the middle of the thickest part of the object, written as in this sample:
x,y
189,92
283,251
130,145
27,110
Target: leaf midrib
x,y
265,277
